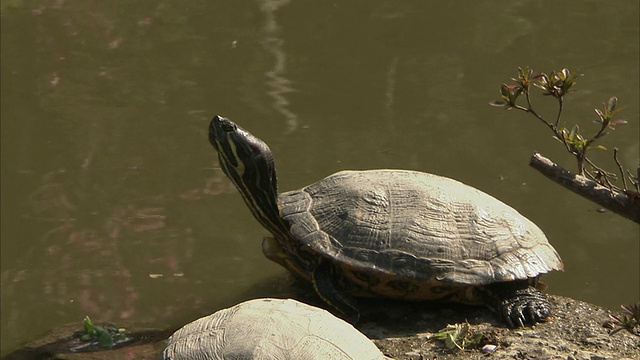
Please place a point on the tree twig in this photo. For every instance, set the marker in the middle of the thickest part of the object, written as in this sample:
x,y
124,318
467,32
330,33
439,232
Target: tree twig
x,y
615,201
615,157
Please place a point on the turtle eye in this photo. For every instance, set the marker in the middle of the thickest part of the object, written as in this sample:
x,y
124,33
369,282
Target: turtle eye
x,y
228,126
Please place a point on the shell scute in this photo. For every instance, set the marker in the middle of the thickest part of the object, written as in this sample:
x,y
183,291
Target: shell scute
x,y
270,329
417,227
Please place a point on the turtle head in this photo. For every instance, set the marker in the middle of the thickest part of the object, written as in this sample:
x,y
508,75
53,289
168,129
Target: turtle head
x,y
248,163
240,152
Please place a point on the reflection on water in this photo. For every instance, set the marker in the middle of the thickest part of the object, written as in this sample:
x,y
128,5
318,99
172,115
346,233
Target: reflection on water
x,y
279,86
391,87
83,258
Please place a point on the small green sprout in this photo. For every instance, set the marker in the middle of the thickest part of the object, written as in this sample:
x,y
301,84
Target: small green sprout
x,y
103,336
558,84
458,336
628,319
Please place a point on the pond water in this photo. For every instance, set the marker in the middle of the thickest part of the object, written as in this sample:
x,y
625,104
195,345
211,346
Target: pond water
x,y
113,204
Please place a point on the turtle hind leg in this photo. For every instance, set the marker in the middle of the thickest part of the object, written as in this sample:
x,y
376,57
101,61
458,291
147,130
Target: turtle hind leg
x,y
325,283
518,303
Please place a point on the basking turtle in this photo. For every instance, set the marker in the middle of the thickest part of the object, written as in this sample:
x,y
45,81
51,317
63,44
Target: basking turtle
x,y
270,329
392,233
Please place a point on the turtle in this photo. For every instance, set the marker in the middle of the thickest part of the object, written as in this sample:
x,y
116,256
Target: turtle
x,y
270,328
392,233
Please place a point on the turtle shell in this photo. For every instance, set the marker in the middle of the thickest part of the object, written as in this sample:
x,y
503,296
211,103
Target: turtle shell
x,y
402,233
270,329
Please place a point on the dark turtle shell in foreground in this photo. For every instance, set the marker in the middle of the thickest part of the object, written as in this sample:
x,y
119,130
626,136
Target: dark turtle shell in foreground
x,y
412,235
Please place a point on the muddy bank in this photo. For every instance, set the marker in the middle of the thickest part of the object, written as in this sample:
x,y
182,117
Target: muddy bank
x,y
405,330
576,332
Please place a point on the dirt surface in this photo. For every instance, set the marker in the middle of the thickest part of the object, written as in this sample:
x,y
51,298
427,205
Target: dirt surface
x,y
576,332
405,330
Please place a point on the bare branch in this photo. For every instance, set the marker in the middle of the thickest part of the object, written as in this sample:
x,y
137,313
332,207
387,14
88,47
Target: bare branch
x,y
615,201
620,168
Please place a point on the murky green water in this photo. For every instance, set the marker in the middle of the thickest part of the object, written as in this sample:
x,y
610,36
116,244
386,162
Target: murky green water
x,y
112,202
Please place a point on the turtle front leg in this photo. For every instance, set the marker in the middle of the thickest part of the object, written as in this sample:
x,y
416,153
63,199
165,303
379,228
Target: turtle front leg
x,y
519,303
325,282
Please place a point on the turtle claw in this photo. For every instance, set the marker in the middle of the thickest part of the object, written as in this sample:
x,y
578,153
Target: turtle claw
x,y
525,307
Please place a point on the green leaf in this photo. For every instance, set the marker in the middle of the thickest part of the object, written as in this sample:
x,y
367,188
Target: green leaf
x,y
517,92
600,114
88,324
104,339
504,90
574,131
600,147
612,104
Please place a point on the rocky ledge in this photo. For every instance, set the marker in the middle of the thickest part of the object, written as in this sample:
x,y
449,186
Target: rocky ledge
x,y
405,331
575,332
